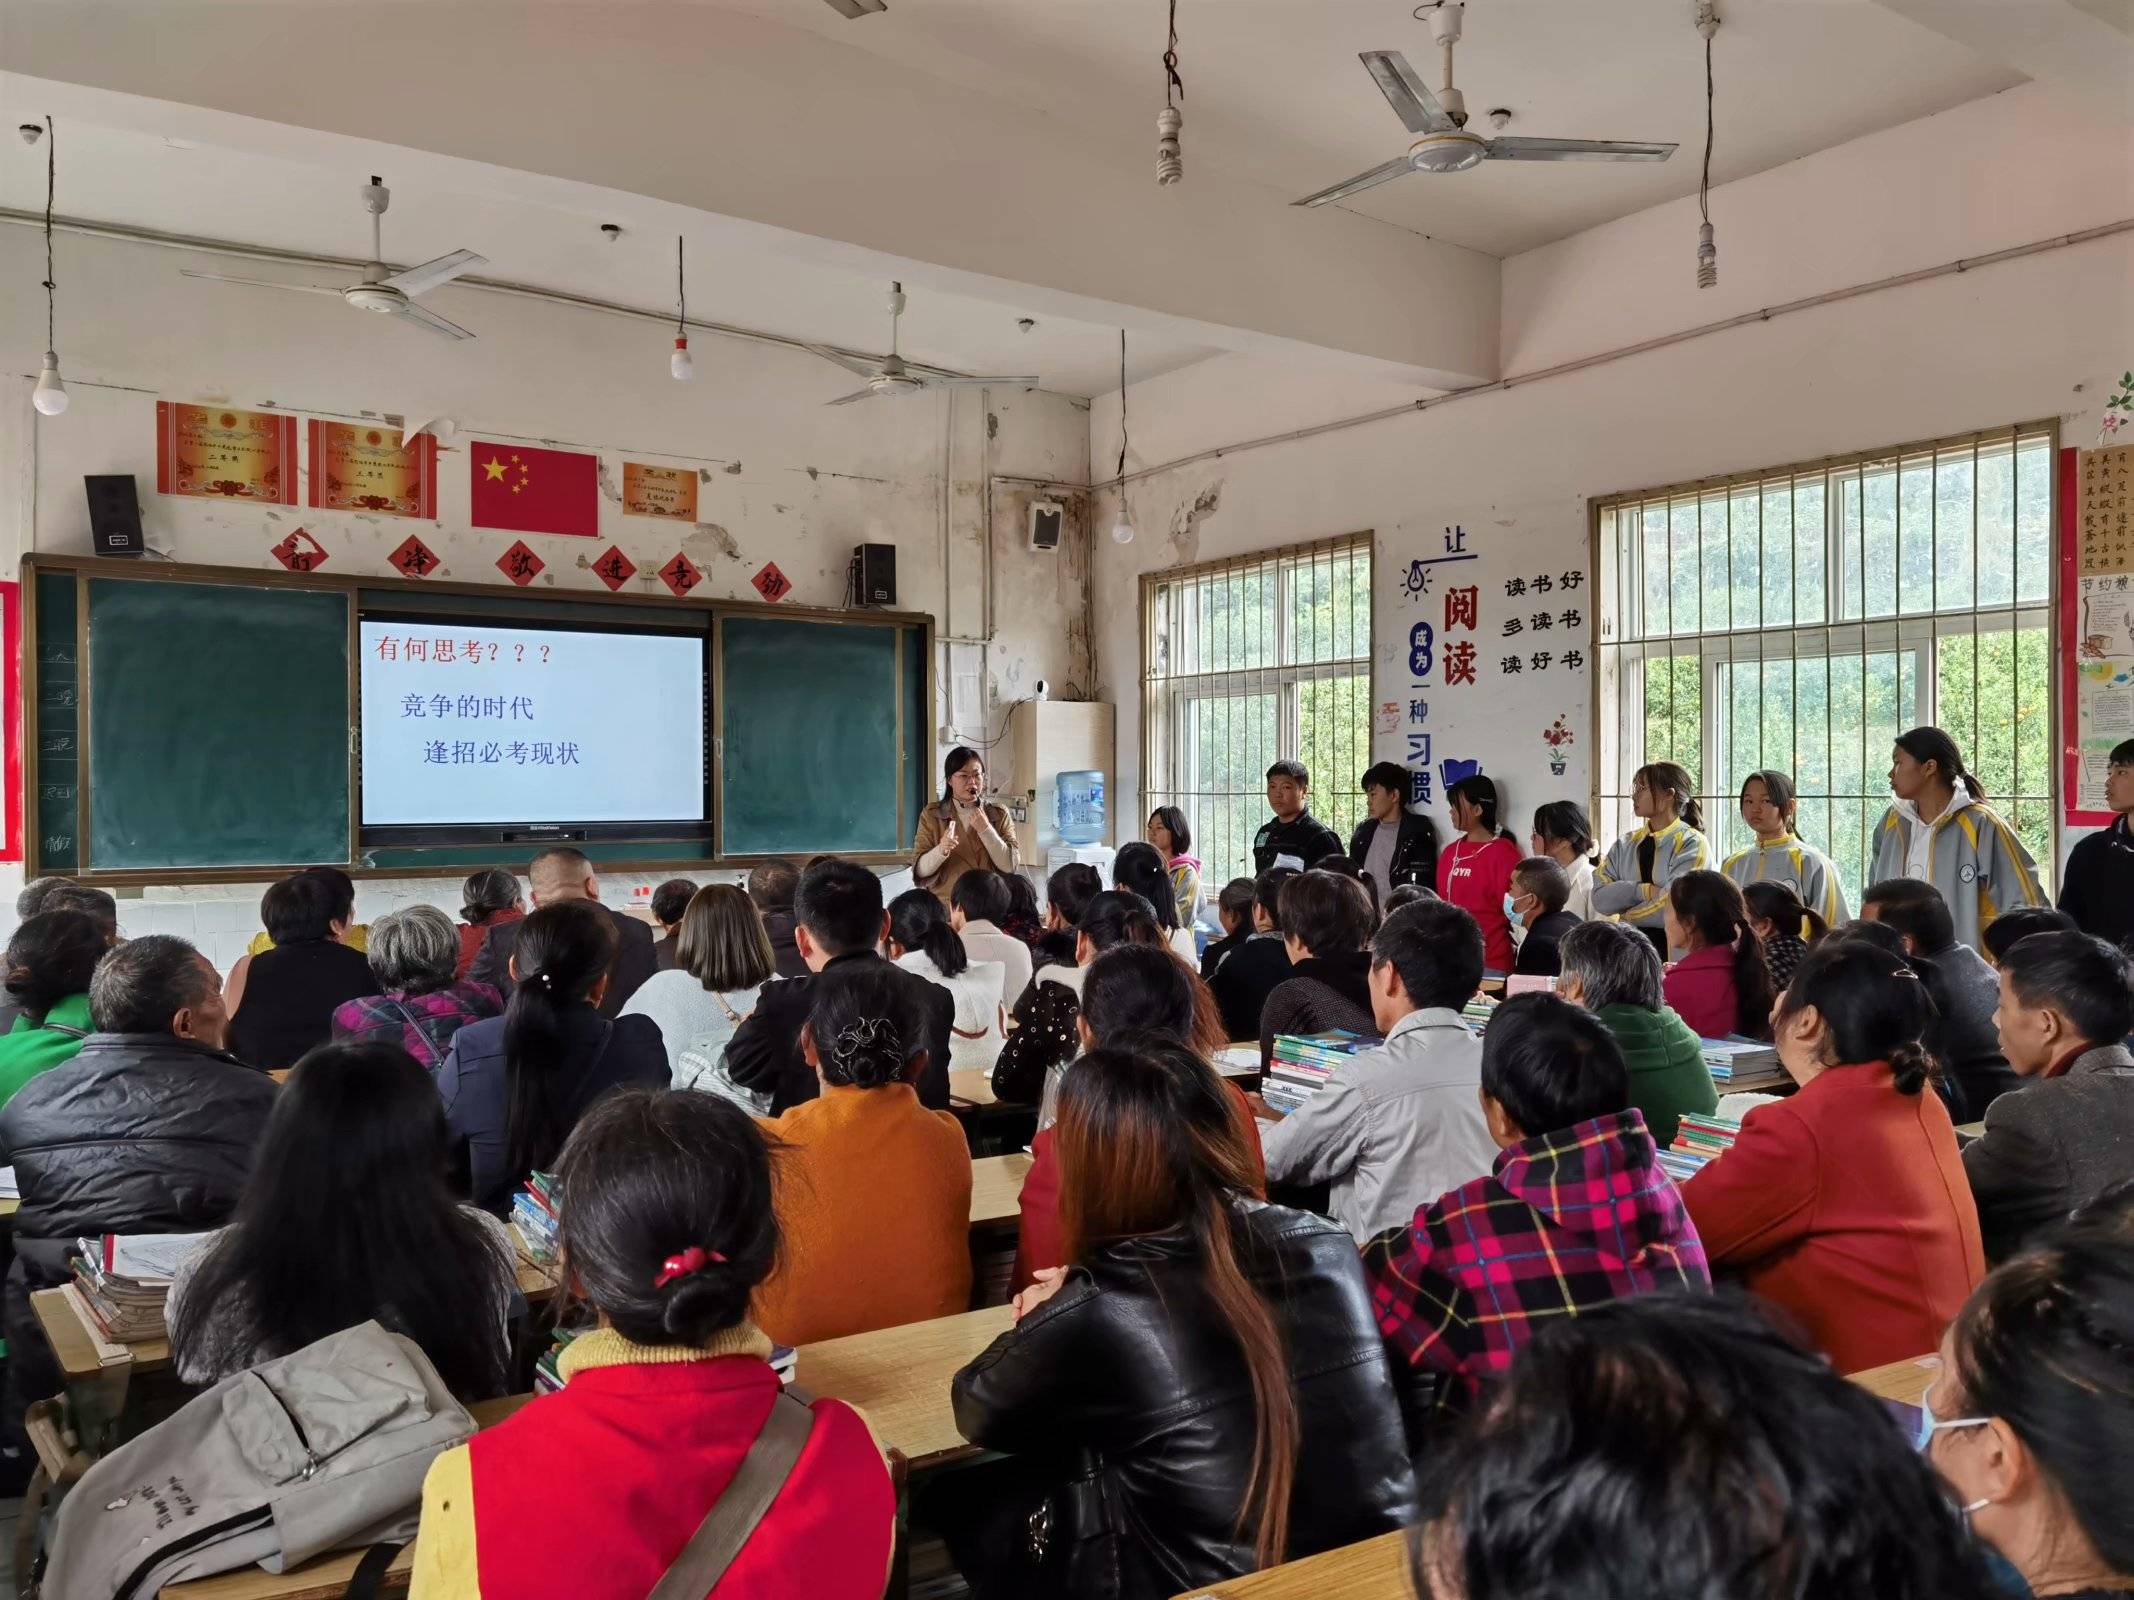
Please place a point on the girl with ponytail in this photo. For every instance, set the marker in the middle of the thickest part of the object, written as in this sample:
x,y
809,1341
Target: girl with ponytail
x,y
1044,1038
921,941
1846,1204
1787,929
1720,983
667,1228
1633,880
874,1192
1216,1358
1939,830
1475,867
1780,856
514,1086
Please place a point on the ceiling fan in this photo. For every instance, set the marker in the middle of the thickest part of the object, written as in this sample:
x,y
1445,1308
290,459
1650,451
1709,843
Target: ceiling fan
x,y
891,376
388,295
1439,121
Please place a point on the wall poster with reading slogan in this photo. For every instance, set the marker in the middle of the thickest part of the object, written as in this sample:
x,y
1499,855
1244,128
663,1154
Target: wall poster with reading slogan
x,y
225,454
2097,622
357,466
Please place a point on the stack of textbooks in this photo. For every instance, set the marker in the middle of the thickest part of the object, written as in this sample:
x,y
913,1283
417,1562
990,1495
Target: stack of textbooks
x,y
1699,1140
1477,1012
1742,1064
1304,1061
124,1281
533,1219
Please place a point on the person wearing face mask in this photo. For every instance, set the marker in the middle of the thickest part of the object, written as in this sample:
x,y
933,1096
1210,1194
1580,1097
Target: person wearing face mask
x,y
2030,1420
962,830
1535,905
1846,1204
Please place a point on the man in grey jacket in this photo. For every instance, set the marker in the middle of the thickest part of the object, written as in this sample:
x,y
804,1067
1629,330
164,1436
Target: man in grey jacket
x,y
2066,1006
1399,1125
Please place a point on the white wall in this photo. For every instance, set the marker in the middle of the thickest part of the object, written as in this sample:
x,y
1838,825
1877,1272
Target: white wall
x,y
2040,337
782,477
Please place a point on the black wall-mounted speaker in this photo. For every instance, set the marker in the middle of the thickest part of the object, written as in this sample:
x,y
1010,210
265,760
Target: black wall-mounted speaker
x,y
877,568
114,514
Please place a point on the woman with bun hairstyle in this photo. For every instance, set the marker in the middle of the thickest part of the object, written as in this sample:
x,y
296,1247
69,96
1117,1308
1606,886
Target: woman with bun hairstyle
x,y
667,1229
1669,840
1846,1204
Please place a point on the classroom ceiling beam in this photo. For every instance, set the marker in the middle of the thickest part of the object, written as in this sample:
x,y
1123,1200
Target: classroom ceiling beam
x,y
836,157
2085,47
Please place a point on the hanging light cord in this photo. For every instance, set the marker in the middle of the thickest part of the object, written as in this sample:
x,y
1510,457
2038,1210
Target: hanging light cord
x,y
51,285
1172,81
1704,184
1122,406
681,297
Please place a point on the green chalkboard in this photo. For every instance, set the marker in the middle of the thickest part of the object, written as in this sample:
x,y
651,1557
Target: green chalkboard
x,y
218,725
814,719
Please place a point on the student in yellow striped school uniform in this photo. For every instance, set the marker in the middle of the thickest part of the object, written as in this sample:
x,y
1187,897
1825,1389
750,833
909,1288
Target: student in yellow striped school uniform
x,y
1779,855
1940,830
1633,880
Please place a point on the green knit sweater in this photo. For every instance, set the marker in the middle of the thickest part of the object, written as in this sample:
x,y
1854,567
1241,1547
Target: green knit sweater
x,y
1668,1076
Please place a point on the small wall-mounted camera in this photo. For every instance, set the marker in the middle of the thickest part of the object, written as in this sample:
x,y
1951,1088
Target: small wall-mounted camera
x,y
1043,691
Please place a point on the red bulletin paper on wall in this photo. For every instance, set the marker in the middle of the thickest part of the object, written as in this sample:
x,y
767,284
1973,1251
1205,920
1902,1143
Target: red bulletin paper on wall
x,y
12,801
2096,656
534,491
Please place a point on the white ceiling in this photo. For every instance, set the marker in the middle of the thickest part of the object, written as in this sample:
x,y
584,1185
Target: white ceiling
x,y
1274,91
195,188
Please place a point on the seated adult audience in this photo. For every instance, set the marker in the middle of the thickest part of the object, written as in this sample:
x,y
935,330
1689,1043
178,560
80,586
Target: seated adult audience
x,y
725,960
515,1085
1139,868
976,906
49,961
1249,976
1133,993
2068,1134
1408,894
771,886
1024,921
149,1129
1067,895
1719,983
1396,1126
874,1190
1326,927
1342,867
349,1218
2030,1420
418,1006
1785,927
838,920
1044,1038
1214,1359
1569,1217
1960,983
1535,902
922,941
1392,845
281,1002
1233,910
1846,1204
669,901
1614,972
557,876
668,1226
59,894
1671,1446
2097,889
2020,922
340,897
489,898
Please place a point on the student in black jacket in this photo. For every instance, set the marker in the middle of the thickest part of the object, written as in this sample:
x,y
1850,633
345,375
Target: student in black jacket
x,y
1327,921
1540,889
1294,832
1392,845
837,917
566,874
1246,980
2097,889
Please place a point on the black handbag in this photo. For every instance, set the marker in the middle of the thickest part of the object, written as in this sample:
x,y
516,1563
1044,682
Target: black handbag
x,y
1071,1540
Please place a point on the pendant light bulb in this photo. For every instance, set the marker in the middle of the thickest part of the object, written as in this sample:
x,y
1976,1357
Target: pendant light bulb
x,y
1122,530
50,395
680,363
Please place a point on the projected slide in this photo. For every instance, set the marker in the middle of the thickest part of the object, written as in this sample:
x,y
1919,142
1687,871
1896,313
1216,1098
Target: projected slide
x,y
464,723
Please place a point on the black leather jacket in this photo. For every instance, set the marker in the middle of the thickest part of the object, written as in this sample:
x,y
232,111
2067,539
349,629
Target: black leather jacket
x,y
1131,1361
1414,852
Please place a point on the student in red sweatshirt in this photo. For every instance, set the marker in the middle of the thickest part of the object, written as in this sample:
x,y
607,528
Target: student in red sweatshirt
x,y
592,1492
1719,983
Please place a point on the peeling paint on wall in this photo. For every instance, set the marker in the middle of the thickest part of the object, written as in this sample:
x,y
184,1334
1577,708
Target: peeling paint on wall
x,y
1186,521
608,486
722,541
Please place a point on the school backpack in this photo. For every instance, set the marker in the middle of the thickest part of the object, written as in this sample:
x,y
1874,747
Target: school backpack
x,y
323,1449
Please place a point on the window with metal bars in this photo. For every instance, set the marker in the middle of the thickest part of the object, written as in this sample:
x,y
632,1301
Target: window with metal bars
x,y
1801,618
1248,662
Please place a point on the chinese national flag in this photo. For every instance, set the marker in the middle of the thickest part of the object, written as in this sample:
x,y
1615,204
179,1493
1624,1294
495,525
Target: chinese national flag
x,y
535,491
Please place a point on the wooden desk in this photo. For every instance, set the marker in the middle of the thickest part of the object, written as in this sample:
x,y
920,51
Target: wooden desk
x,y
1377,1569
900,1378
9,1207
997,1189
971,1086
327,1577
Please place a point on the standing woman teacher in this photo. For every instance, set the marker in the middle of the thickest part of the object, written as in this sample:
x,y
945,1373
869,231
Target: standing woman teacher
x,y
1939,830
962,832
1632,882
